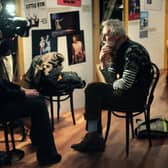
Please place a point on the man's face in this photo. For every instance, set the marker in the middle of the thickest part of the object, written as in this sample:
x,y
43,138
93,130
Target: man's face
x,y
108,37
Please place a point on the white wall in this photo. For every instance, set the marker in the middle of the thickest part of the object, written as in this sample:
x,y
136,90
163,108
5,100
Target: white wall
x,y
154,43
83,69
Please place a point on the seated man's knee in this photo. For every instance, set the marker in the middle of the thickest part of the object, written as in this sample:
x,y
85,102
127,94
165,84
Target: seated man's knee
x,y
37,103
92,88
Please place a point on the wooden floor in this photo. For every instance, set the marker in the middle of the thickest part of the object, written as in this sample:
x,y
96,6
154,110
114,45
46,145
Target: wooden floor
x,y
114,156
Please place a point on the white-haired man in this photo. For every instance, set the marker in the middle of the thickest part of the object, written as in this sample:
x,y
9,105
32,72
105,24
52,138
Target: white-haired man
x,y
127,78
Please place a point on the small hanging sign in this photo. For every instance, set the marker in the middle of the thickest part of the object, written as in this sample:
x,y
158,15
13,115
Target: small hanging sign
x,y
69,2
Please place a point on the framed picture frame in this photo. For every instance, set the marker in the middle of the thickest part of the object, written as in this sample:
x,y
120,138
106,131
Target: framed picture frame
x,y
43,42
134,9
143,26
76,48
153,4
64,23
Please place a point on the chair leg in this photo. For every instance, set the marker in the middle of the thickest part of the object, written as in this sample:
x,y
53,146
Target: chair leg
x,y
12,136
132,126
23,133
72,109
108,125
58,107
6,136
147,121
52,113
127,133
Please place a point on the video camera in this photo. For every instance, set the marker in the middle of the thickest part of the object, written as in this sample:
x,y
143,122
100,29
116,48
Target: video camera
x,y
11,27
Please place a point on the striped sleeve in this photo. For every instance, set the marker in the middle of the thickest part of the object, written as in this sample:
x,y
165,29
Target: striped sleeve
x,y
127,80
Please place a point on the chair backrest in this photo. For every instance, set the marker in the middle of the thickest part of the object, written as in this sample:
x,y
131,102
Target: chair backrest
x,y
155,74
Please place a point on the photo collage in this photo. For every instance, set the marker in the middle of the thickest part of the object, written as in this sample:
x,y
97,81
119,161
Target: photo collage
x,y
62,24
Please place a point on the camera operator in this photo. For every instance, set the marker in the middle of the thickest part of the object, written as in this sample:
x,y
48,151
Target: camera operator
x,y
17,102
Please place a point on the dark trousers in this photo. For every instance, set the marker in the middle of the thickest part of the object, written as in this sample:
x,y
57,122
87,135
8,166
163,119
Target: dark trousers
x,y
101,96
35,108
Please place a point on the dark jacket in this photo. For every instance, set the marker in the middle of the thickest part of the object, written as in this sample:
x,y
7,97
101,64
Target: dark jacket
x,y
8,90
132,65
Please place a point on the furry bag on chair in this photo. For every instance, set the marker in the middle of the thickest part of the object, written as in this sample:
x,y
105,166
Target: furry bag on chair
x,y
41,67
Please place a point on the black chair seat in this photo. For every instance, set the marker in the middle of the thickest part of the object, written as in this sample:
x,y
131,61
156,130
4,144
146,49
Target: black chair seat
x,y
53,91
131,108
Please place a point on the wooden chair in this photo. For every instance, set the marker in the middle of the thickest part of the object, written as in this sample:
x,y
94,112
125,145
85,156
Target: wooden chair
x,y
129,112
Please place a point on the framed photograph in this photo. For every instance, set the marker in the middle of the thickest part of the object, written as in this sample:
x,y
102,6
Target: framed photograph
x,y
43,42
134,9
64,23
144,24
76,48
153,4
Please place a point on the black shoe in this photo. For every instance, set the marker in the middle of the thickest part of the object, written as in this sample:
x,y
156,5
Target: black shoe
x,y
47,160
92,142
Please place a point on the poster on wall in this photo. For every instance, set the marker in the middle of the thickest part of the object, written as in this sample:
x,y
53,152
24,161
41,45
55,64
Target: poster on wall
x,y
36,12
143,24
69,2
153,4
76,48
134,9
64,23
43,42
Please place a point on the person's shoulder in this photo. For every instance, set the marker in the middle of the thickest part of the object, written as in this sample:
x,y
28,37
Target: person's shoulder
x,y
136,52
133,44
136,48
